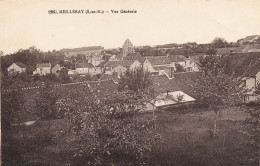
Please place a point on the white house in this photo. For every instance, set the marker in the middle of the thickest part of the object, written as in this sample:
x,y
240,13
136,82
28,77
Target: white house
x,y
83,67
95,60
136,64
120,66
71,72
252,77
43,69
252,83
16,67
159,65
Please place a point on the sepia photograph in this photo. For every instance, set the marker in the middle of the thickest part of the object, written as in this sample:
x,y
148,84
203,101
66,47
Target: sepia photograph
x,y
130,82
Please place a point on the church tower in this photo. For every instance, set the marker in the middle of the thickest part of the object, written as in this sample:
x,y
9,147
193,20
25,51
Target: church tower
x,y
128,48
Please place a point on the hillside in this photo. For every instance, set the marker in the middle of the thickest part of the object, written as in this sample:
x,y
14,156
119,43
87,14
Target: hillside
x,y
82,50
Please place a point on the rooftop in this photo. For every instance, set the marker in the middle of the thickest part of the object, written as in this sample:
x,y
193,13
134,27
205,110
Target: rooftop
x,y
21,65
158,60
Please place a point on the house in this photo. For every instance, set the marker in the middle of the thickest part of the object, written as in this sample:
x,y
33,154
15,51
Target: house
x,y
114,58
43,69
180,59
251,97
120,66
83,67
172,92
189,64
251,77
159,65
251,83
71,72
16,67
192,64
95,60
55,70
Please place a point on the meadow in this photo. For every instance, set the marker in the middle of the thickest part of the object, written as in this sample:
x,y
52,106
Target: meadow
x,y
183,138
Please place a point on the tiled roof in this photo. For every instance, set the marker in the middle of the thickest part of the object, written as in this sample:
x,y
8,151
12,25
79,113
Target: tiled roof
x,y
124,63
180,82
158,60
43,65
21,65
160,67
253,70
177,58
102,64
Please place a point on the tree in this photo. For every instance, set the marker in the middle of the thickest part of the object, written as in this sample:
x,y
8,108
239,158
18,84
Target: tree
x,y
254,119
219,42
11,104
136,80
216,89
46,104
108,130
63,76
179,68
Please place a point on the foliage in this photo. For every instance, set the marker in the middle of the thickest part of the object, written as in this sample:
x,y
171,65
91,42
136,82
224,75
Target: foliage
x,y
63,76
254,111
179,68
11,103
32,56
46,104
136,80
215,87
108,130
219,42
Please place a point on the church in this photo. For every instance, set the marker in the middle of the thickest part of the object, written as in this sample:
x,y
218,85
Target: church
x,y
128,52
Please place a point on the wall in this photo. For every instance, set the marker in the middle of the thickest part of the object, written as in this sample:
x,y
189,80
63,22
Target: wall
x,y
258,79
42,70
15,68
135,65
250,83
82,70
148,66
119,70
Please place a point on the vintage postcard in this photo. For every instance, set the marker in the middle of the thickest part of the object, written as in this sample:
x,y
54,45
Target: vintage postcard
x,y
130,82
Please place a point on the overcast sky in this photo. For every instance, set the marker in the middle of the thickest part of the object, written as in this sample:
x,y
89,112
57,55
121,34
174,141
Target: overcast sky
x,y
27,23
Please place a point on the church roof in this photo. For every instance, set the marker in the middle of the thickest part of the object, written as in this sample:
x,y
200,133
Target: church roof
x,y
128,43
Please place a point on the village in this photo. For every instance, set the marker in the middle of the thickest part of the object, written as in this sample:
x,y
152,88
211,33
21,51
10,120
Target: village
x,y
201,93
130,83
168,68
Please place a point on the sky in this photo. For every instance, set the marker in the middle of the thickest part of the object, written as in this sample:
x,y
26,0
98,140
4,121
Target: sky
x,y
26,23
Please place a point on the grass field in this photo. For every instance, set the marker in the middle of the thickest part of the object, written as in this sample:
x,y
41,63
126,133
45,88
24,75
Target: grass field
x,y
185,139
